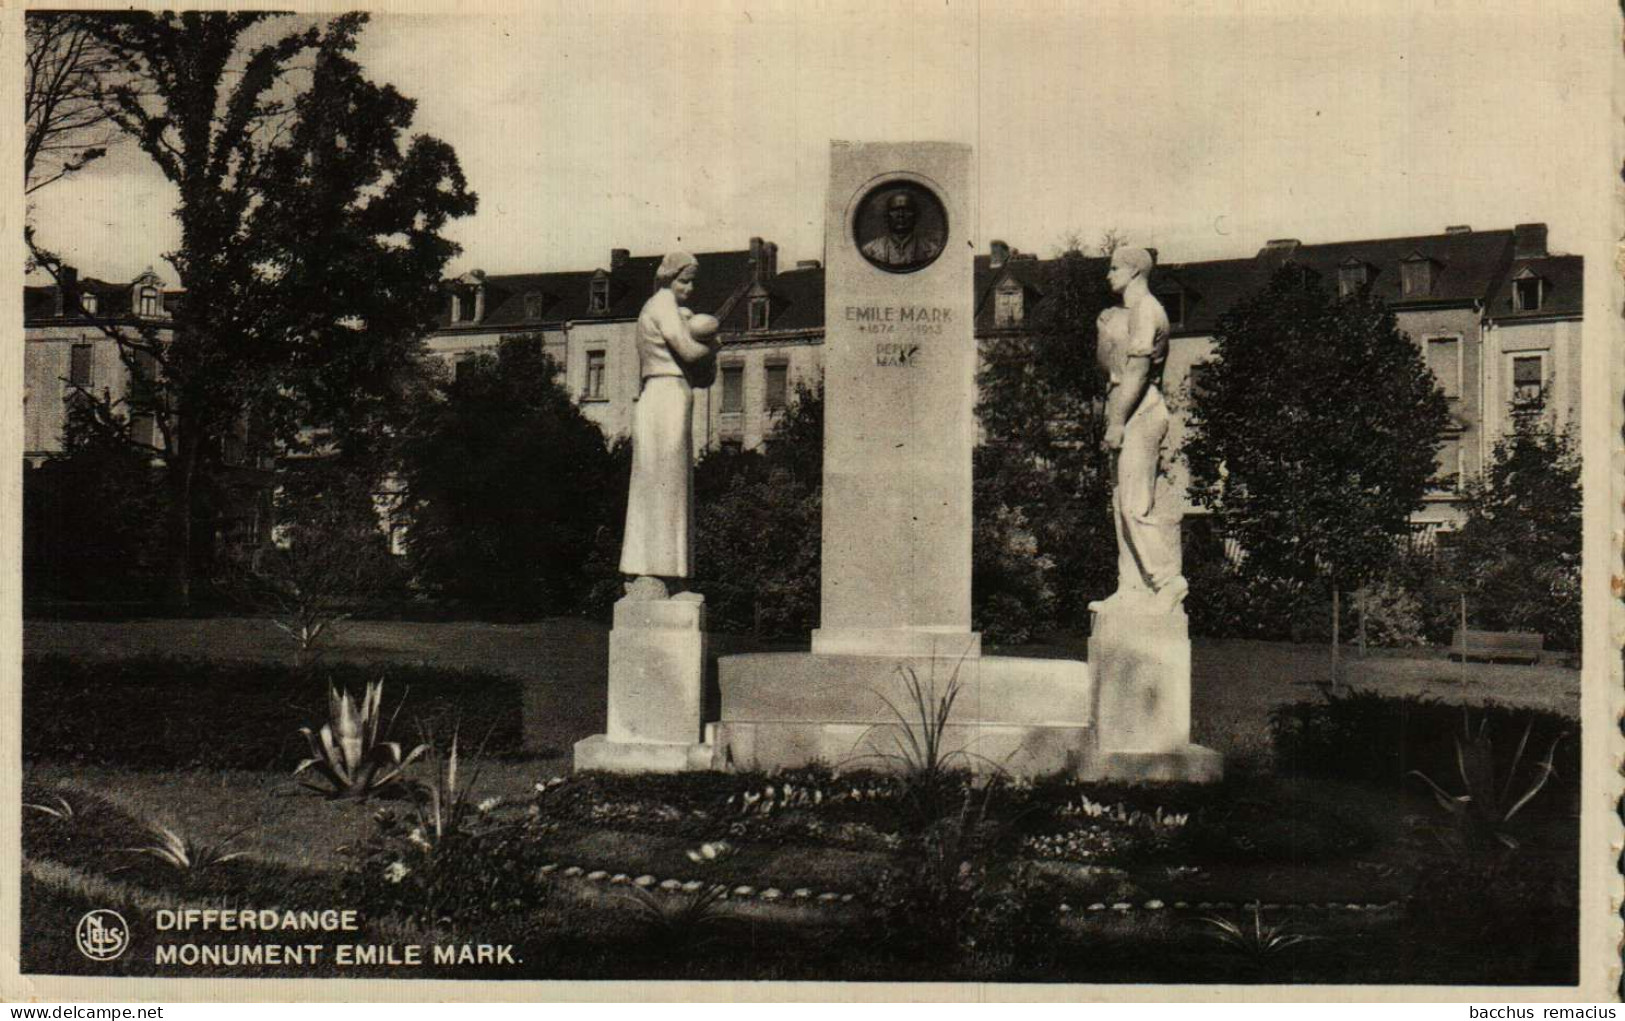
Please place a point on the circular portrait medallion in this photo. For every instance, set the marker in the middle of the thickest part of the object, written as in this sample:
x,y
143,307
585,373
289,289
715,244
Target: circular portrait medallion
x,y
900,226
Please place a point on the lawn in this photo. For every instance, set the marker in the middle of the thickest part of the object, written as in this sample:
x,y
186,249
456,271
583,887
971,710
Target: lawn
x,y
825,877
1234,683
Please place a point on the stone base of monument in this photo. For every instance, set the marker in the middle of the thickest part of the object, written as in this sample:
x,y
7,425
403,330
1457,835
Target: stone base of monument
x,y
657,658
1029,717
1142,671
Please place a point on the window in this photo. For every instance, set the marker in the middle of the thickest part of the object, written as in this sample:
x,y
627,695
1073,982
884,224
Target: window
x,y
87,301
143,379
1416,276
79,363
1527,294
759,313
467,304
595,376
533,306
150,305
733,389
1444,359
144,428
1447,477
1173,303
598,301
1528,379
778,387
1352,278
1009,305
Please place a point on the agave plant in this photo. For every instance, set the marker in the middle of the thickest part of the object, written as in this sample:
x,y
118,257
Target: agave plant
x,y
185,853
63,809
347,754
679,923
1484,809
1258,941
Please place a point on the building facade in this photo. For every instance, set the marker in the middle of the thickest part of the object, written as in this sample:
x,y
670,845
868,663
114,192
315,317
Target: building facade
x,y
1495,315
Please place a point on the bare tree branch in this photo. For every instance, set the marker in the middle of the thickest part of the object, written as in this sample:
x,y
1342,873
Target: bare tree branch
x,y
67,125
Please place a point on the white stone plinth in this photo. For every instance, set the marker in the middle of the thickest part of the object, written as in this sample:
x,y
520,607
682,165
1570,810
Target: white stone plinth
x,y
1141,664
657,653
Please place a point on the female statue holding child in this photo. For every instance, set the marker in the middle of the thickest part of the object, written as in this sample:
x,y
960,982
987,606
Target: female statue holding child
x,y
677,352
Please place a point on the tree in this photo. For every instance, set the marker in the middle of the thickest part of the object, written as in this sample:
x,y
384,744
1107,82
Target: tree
x,y
1315,432
1042,483
310,253
92,513
505,485
758,526
1517,555
66,126
330,556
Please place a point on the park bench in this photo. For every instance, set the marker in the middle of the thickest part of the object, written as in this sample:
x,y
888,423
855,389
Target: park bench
x,y
1525,646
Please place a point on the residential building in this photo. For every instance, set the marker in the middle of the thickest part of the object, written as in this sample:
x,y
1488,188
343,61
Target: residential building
x,y
1495,315
69,353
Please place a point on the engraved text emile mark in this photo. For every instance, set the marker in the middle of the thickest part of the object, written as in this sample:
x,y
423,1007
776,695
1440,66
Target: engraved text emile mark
x,y
895,320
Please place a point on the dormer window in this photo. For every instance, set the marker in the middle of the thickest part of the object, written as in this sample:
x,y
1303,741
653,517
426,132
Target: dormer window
x,y
1352,277
1009,305
598,299
146,299
533,305
1528,291
1417,274
1173,303
759,312
468,298
87,301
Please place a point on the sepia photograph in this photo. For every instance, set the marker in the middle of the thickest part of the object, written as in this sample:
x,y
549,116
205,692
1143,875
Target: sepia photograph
x,y
1054,500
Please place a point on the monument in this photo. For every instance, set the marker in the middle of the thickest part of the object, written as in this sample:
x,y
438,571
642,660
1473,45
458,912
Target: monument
x,y
900,366
895,636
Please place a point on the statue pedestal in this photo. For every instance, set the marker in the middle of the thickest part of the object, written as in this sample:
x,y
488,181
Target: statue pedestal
x,y
657,653
1141,664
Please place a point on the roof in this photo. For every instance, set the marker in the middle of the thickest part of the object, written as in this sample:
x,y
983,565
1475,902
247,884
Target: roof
x,y
795,302
566,296
112,300
1562,296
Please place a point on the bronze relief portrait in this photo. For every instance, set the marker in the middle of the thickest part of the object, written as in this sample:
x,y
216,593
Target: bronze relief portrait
x,y
900,227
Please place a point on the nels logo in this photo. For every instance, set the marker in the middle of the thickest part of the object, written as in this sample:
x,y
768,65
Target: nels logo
x,y
102,935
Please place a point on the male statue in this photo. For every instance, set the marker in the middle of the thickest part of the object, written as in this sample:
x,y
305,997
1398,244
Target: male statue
x,y
1133,347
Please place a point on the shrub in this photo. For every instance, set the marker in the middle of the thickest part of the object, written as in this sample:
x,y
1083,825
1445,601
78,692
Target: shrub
x,y
491,871
1379,739
174,712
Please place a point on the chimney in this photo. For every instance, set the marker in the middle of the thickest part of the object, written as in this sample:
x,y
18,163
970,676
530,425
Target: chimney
x,y
618,258
67,290
1153,253
1529,241
1000,254
758,258
809,264
1460,228
1285,246
771,250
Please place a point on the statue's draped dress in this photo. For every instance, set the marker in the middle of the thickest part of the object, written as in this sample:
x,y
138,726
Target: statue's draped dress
x,y
1145,506
660,502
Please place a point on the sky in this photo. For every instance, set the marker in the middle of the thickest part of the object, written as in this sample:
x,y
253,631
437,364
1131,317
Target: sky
x,y
1200,129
